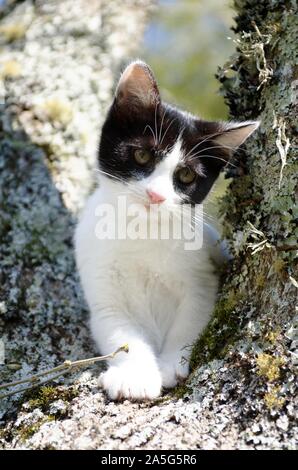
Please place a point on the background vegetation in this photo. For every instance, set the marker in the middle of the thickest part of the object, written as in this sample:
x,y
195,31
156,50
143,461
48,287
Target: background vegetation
x,y
185,43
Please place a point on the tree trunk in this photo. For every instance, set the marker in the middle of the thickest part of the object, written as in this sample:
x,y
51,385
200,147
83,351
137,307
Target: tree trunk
x,y
254,331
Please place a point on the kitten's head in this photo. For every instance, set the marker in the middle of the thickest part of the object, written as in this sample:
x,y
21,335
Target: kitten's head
x,y
161,154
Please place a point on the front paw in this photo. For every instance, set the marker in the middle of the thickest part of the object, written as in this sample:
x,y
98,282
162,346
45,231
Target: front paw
x,y
132,382
174,369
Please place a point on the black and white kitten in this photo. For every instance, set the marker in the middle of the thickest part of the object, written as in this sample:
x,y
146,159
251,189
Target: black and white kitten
x,y
154,295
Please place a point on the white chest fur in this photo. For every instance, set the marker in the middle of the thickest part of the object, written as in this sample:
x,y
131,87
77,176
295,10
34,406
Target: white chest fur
x,y
152,294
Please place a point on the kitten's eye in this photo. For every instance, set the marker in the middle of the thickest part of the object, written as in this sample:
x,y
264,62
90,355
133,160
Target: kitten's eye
x,y
186,175
142,156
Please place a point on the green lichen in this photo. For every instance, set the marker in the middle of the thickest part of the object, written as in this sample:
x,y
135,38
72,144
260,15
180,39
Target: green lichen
x,y
163,399
221,332
272,336
260,280
273,399
44,396
181,390
269,366
24,431
279,266
28,430
3,433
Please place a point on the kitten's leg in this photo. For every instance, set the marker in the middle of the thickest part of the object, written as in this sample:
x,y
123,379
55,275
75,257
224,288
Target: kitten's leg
x,y
134,375
190,320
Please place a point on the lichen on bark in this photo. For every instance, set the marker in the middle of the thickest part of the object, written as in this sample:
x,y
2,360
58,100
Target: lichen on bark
x,y
260,211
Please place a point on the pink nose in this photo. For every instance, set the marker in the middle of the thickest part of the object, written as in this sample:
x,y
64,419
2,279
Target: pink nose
x,y
154,197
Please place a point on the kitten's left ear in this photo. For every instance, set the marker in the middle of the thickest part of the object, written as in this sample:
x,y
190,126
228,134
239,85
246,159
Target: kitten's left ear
x,y
233,134
137,87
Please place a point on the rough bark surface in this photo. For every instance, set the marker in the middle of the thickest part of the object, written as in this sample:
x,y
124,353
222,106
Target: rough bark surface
x,y
57,65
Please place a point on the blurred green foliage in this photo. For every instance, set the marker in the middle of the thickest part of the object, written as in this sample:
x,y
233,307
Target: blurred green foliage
x,y
185,43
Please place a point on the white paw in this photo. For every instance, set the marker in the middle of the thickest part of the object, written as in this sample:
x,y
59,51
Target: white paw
x,y
174,369
133,382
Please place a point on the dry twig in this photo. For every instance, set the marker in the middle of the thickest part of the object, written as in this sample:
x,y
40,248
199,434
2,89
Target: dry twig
x,y
67,366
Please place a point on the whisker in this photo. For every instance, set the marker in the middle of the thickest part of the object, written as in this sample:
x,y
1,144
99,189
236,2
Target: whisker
x,y
216,158
150,130
202,141
214,147
117,178
180,216
110,175
160,129
204,215
182,211
155,121
176,210
165,133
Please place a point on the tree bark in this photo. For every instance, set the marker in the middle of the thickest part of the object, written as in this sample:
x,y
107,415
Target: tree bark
x,y
255,323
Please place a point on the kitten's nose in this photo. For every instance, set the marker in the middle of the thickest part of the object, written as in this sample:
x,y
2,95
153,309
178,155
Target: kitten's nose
x,y
154,197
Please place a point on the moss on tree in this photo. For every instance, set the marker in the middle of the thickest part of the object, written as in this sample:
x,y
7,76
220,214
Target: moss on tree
x,y
257,303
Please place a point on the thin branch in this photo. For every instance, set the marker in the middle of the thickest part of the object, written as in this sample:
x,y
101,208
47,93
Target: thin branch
x,y
38,384
67,366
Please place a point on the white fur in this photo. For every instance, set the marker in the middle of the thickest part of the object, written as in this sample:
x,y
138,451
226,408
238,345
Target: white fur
x,y
151,294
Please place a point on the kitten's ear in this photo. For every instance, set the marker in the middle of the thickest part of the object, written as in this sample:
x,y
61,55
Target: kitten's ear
x,y
233,134
137,87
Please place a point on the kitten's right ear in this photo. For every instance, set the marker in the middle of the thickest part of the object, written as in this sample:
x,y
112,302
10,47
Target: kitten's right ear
x,y
137,87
